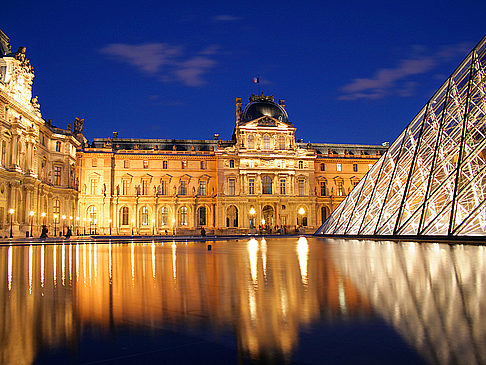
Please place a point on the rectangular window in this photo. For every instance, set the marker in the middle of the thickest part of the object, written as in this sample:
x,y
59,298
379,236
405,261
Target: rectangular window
x,y
58,146
355,167
145,187
338,167
340,189
57,175
94,162
126,164
183,165
323,188
202,187
323,167
251,186
164,165
183,188
232,164
231,186
93,187
125,187
145,164
251,164
282,186
203,165
163,188
301,187
301,164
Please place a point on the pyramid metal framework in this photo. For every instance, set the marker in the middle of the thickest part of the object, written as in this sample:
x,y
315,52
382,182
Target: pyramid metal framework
x,y
432,179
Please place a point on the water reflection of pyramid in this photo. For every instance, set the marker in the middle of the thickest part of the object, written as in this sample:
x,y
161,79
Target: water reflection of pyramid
x,y
432,180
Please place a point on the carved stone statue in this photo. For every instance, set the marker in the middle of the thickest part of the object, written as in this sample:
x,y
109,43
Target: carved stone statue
x,y
20,54
35,103
78,125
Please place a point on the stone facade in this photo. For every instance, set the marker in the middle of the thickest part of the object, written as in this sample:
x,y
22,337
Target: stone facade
x,y
37,160
260,179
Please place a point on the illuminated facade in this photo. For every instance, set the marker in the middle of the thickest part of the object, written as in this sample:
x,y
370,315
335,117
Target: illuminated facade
x,y
37,159
432,179
261,177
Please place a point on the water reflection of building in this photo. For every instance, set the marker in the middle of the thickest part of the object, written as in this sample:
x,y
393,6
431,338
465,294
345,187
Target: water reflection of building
x,y
266,294
432,294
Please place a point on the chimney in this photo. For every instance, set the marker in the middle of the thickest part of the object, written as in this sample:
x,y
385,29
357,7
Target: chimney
x,y
115,134
281,102
216,136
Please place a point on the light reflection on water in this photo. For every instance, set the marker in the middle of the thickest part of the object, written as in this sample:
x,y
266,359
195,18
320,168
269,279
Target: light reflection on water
x,y
268,292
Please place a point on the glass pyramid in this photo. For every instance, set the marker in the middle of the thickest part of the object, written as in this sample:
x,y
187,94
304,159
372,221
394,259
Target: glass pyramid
x,y
432,179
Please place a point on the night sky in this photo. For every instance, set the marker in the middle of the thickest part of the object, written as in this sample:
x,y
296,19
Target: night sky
x,y
350,71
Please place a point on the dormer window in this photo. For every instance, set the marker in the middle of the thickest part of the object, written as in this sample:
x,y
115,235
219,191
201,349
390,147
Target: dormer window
x,y
281,143
58,146
232,164
251,142
301,164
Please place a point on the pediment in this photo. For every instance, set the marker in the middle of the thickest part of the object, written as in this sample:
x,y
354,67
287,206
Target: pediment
x,y
266,122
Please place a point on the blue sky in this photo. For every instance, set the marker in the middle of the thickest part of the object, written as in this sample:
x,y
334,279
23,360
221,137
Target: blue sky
x,y
350,71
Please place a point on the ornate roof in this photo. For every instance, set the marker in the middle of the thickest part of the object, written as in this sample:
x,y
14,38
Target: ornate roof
x,y
261,105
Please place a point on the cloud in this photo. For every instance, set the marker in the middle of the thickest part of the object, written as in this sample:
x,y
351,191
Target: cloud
x,y
395,80
168,62
225,18
147,57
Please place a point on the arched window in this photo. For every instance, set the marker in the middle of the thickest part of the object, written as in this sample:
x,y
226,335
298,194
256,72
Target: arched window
x,y
301,164
251,142
281,142
232,217
144,216
183,216
201,214
124,216
266,142
92,212
164,216
266,185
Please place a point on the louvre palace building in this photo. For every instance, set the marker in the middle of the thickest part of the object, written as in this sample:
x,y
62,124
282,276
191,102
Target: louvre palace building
x,y
260,179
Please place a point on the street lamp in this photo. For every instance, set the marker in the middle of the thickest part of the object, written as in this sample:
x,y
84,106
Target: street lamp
x,y
84,226
63,225
173,226
153,227
132,221
301,212
71,223
94,221
43,215
252,217
55,224
11,212
109,221
77,226
31,213
90,224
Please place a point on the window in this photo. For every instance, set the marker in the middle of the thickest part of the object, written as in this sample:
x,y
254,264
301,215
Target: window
x,y
266,142
125,187
323,188
144,218
94,162
124,216
56,208
251,141
126,164
183,216
281,142
203,165
183,165
145,187
266,185
183,187
202,188
232,164
93,186
323,167
57,175
282,186
164,216
251,164
231,186
164,165
92,213
340,188
338,167
58,146
145,164
251,186
301,164
355,167
163,187
202,216
301,185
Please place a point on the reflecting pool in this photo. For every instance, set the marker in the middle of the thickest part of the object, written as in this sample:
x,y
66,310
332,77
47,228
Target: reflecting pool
x,y
276,300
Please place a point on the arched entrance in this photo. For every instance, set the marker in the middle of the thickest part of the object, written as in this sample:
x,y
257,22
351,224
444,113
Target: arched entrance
x,y
268,216
232,217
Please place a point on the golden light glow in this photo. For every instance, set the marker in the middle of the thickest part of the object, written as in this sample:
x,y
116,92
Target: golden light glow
x,y
43,214
301,211
11,211
252,211
31,213
252,254
302,253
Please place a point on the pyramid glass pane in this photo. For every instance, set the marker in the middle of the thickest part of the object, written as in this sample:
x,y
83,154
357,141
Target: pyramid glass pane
x,y
432,180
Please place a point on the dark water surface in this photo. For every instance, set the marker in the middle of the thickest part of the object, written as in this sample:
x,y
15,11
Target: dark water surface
x,y
286,300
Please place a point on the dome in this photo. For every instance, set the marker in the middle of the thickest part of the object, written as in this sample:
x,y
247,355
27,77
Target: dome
x,y
258,108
